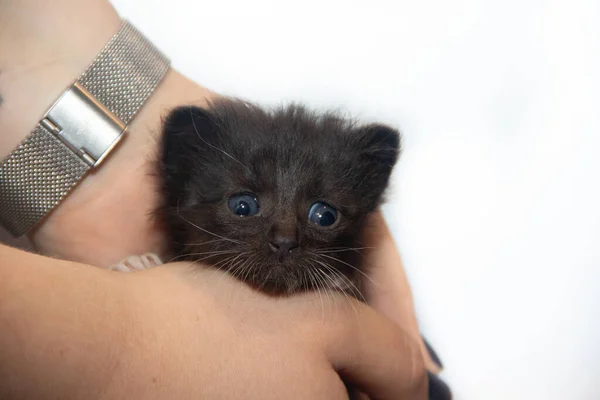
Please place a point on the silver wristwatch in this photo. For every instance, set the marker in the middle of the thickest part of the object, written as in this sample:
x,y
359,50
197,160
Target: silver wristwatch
x,y
79,130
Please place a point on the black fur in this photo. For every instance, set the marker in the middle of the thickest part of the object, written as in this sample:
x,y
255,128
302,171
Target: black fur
x,y
289,158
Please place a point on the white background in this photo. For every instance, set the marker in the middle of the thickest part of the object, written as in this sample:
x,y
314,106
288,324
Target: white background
x,y
496,201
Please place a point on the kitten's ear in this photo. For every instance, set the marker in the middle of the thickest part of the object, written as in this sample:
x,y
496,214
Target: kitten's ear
x,y
181,132
185,122
180,138
381,145
379,151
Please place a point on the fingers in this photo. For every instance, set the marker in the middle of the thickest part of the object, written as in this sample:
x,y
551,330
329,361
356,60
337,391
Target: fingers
x,y
367,349
137,263
388,290
383,361
432,354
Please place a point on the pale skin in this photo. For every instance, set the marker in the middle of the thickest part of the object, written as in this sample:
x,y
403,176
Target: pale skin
x,y
171,331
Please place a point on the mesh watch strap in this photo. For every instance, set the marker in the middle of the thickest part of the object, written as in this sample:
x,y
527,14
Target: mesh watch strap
x,y
36,176
79,130
125,73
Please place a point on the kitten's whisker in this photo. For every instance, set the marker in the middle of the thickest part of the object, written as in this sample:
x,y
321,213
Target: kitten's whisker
x,y
202,229
213,146
302,282
233,268
201,259
243,269
219,265
315,284
237,265
334,250
353,290
344,247
217,252
328,289
246,269
352,300
203,243
222,266
349,265
266,279
291,285
334,285
323,285
230,266
351,284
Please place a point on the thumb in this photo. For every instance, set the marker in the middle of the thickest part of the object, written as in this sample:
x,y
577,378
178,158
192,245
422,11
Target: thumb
x,y
388,290
371,352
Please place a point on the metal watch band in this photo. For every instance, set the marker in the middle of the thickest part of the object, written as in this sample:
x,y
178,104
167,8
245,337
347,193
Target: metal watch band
x,y
79,130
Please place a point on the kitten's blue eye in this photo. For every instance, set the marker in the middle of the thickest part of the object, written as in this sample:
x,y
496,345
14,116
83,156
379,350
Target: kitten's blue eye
x,y
322,214
244,205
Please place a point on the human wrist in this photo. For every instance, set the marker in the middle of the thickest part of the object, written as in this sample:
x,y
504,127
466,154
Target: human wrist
x,y
45,47
109,214
125,182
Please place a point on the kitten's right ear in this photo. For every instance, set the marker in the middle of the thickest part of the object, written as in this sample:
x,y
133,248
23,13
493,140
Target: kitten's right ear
x,y
183,130
181,147
185,121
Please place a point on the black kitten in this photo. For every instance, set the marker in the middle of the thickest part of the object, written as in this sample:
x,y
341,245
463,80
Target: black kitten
x,y
277,198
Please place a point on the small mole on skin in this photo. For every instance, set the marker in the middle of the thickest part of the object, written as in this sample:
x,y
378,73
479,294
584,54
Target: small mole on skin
x,y
1,99
154,380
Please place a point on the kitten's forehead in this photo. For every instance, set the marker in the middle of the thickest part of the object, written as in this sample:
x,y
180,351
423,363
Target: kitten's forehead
x,y
291,161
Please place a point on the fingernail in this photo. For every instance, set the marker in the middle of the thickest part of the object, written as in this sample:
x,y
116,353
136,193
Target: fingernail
x,y
432,353
438,390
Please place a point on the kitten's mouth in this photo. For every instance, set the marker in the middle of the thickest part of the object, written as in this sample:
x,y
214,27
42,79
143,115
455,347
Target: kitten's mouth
x,y
277,280
298,270
292,274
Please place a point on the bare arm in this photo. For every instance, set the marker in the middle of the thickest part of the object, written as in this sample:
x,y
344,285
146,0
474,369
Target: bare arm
x,y
60,326
76,332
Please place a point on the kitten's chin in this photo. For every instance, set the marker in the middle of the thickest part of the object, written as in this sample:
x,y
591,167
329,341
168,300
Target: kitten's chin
x,y
277,281
291,275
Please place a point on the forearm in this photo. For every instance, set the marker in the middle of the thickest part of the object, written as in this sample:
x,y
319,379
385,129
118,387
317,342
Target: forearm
x,y
56,313
44,46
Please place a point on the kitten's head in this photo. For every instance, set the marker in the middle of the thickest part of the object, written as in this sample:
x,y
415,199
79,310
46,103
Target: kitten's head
x,y
277,198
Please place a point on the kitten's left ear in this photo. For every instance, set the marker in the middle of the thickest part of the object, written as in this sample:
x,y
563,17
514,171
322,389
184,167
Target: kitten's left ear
x,y
381,145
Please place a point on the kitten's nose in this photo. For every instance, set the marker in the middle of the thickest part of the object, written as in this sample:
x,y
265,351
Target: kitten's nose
x,y
282,245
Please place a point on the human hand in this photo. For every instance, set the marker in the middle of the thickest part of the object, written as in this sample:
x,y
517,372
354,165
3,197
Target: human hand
x,y
174,332
271,348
